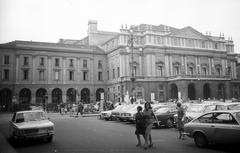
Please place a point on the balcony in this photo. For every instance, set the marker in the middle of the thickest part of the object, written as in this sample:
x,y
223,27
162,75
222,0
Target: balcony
x,y
199,77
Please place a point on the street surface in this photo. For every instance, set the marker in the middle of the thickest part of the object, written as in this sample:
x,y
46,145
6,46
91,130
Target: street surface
x,y
91,135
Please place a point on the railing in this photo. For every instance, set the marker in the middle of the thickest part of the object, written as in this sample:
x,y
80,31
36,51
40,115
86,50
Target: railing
x,y
200,77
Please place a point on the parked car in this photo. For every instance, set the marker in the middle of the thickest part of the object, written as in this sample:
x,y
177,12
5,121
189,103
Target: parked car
x,y
123,112
226,106
30,124
165,116
217,127
129,115
107,115
196,110
237,107
116,112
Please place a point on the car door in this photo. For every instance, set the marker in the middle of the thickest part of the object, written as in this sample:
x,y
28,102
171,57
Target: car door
x,y
205,124
227,128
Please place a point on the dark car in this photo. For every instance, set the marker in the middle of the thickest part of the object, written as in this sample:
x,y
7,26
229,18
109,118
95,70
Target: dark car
x,y
217,127
165,116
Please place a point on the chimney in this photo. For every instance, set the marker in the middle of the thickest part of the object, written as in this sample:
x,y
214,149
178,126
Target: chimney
x,y
92,32
92,26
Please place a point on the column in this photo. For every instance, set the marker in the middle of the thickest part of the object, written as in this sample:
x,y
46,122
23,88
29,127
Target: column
x,y
34,69
234,70
153,65
17,69
140,65
166,65
127,64
182,65
49,69
223,67
196,64
185,62
209,66
78,70
64,70
148,64
171,65
92,70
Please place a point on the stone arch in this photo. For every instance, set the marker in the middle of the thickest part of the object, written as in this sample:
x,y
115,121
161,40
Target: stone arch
x,y
98,93
41,94
25,96
56,96
191,91
71,95
206,91
85,95
173,91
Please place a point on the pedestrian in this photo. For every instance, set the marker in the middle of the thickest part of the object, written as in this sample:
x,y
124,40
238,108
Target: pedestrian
x,y
180,120
140,125
80,108
149,118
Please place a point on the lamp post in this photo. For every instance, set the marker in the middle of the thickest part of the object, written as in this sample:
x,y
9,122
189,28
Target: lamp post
x,y
133,77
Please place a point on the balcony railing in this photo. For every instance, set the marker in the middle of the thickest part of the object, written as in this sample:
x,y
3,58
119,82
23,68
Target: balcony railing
x,y
200,77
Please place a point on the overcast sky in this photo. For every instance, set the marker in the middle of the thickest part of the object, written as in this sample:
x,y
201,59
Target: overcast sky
x,y
50,20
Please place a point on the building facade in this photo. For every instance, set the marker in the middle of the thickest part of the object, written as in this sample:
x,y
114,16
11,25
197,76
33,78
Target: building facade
x,y
160,63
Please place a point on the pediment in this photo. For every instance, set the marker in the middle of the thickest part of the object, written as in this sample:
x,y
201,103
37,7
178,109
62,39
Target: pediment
x,y
189,32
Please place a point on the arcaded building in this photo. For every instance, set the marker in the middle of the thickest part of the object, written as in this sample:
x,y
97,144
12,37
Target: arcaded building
x,y
146,61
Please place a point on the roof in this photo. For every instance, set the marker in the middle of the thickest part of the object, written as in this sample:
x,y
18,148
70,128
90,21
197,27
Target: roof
x,y
34,45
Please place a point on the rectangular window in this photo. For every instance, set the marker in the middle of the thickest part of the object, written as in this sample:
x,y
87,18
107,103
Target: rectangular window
x,y
25,74
85,63
6,59
99,64
41,62
100,76
6,74
57,62
190,70
113,74
118,72
71,75
71,63
41,75
85,75
176,70
204,71
56,75
160,68
25,60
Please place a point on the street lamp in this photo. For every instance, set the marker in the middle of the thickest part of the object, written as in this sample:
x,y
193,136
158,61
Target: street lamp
x,y
130,44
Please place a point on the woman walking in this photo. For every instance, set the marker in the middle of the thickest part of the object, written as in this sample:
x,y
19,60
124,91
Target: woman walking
x,y
149,118
180,120
140,125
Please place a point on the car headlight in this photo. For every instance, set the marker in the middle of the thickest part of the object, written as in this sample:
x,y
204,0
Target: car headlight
x,y
50,128
19,132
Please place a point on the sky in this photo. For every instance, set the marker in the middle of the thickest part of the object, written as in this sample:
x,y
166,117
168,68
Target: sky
x,y
50,20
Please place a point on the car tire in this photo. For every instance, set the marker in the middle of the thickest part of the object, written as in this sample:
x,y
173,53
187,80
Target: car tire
x,y
50,138
200,140
169,123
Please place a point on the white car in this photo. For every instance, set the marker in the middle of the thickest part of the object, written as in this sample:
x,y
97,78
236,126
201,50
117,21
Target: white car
x,y
30,124
107,115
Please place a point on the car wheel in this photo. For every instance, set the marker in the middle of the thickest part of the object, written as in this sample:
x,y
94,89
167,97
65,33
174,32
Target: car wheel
x,y
50,138
169,123
200,140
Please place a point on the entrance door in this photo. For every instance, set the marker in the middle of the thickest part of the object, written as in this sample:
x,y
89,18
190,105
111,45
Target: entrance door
x,y
191,91
206,91
5,100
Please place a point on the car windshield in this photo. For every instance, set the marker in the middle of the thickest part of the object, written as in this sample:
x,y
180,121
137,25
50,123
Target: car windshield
x,y
238,116
30,116
162,110
195,108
